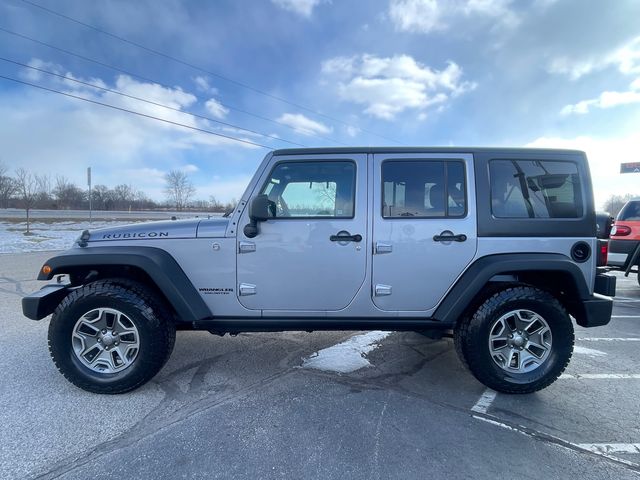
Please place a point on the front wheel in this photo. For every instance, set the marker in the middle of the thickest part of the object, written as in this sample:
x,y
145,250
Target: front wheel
x,y
519,340
110,336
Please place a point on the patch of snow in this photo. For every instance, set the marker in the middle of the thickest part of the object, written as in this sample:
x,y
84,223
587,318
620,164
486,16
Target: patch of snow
x,y
45,236
347,356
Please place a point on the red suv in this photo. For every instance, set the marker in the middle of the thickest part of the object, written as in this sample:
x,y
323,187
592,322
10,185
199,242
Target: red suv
x,y
624,244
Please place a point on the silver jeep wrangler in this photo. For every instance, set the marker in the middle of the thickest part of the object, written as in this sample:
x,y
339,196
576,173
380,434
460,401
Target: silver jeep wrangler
x,y
497,247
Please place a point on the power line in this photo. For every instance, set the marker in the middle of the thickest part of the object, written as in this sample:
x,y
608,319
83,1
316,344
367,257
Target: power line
x,y
203,70
150,80
117,92
152,117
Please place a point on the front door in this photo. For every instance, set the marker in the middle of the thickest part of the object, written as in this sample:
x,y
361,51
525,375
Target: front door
x,y
311,255
424,225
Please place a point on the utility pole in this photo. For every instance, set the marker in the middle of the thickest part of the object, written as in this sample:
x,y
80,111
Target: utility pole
x,y
90,196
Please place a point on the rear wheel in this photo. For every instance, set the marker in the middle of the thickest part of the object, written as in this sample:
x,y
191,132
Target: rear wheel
x,y
110,336
518,341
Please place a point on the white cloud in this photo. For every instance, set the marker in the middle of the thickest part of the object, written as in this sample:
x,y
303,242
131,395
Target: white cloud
x,y
202,83
605,156
625,58
35,75
304,124
40,67
422,16
175,98
190,168
352,131
387,86
216,109
425,16
303,8
607,99
49,133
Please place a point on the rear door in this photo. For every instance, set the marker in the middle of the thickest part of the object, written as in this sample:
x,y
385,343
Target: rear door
x,y
424,227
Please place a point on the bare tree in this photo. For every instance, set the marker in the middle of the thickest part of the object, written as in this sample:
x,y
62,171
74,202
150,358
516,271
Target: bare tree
x,y
215,205
27,191
614,203
178,189
67,193
43,186
7,186
102,197
124,195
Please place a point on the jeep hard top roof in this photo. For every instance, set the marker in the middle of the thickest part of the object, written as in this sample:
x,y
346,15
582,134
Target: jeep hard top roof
x,y
387,150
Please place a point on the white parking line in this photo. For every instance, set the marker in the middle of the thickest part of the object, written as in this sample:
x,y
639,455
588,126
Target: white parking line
x,y
625,300
611,447
608,339
599,376
595,448
485,401
591,352
625,316
499,424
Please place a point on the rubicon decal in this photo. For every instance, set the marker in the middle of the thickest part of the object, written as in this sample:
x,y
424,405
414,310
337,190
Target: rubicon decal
x,y
107,236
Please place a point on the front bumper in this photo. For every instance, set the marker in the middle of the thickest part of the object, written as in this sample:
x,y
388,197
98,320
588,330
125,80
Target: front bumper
x,y
43,302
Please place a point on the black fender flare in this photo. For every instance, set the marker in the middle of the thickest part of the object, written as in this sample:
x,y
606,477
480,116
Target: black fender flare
x,y
158,264
470,284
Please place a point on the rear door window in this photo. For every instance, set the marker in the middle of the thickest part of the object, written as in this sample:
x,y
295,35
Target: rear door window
x,y
423,189
535,189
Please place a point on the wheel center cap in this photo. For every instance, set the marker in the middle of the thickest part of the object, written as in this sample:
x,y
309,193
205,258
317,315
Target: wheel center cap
x,y
518,341
108,339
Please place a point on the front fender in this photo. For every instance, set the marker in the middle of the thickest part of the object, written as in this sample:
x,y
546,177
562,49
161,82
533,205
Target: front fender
x,y
158,264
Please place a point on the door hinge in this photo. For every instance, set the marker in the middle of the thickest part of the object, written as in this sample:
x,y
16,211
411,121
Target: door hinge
x,y
246,247
381,247
247,289
382,290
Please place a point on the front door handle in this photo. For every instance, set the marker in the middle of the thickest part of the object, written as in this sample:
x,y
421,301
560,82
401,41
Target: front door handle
x,y
448,236
344,236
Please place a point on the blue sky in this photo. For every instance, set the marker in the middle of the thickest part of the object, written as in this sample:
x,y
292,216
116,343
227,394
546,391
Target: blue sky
x,y
418,72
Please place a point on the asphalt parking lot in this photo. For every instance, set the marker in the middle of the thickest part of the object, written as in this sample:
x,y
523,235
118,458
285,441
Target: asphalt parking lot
x,y
244,407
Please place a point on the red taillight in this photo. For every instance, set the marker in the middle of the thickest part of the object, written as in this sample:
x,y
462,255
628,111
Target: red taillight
x,y
620,231
603,253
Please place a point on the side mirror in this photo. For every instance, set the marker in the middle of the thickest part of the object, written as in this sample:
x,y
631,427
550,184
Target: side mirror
x,y
259,211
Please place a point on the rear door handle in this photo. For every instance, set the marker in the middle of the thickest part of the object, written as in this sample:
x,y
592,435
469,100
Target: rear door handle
x,y
448,236
344,236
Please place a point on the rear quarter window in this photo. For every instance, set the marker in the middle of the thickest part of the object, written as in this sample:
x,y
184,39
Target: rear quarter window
x,y
630,212
535,189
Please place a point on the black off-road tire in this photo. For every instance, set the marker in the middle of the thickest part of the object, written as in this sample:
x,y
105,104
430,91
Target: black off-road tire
x,y
471,338
150,315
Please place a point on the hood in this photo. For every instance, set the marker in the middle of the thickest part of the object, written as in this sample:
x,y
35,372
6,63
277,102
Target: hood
x,y
213,227
147,231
